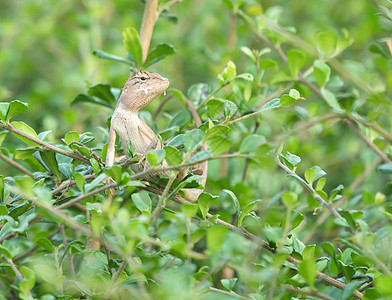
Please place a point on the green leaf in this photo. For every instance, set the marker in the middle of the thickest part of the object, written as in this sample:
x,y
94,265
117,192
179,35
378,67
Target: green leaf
x,y
326,42
132,44
49,158
229,284
310,176
331,100
29,280
189,209
198,92
192,139
4,106
321,72
80,181
3,135
173,156
215,107
235,200
328,248
71,136
24,153
215,237
228,73
159,53
95,165
247,209
292,158
142,201
219,144
205,201
20,209
93,184
229,109
216,130
319,172
156,156
114,172
102,92
385,168
321,183
287,100
296,60
95,208
251,143
26,129
3,208
84,98
43,135
5,252
245,76
176,141
349,290
271,104
308,252
46,244
267,63
16,107
307,269
201,155
289,199
248,53
105,55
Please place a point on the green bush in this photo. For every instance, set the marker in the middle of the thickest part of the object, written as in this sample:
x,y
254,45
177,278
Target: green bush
x,y
295,103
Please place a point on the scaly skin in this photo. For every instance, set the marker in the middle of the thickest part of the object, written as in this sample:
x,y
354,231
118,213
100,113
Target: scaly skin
x,y
137,93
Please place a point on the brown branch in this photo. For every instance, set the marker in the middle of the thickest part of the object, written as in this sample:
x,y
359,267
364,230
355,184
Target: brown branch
x,y
15,165
70,261
316,196
85,196
265,245
312,293
368,142
44,145
71,182
161,105
150,16
373,126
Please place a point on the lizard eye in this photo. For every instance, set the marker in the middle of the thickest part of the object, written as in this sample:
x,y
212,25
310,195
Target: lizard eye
x,y
143,78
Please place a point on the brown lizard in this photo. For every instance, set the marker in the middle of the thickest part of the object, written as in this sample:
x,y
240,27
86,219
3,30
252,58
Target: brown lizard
x,y
138,92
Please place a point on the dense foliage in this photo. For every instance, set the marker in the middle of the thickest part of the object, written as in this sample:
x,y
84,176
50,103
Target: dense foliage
x,y
294,97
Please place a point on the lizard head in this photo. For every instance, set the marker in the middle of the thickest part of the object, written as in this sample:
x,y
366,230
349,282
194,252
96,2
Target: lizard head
x,y
142,88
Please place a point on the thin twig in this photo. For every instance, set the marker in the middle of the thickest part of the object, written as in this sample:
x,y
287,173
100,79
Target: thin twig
x,y
15,165
71,182
32,249
316,196
373,126
16,271
265,245
116,277
46,146
368,142
70,261
312,293
85,196
162,200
